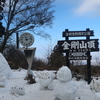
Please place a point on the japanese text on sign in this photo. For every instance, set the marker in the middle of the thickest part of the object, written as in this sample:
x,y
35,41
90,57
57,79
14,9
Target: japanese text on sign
x,y
79,58
78,45
78,33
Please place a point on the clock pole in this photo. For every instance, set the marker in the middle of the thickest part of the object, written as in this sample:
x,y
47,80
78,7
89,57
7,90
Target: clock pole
x,y
29,53
17,40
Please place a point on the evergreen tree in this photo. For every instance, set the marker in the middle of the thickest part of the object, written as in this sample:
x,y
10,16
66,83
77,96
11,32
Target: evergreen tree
x,y
56,59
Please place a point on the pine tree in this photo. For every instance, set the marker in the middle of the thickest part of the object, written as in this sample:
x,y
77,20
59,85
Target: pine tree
x,y
56,59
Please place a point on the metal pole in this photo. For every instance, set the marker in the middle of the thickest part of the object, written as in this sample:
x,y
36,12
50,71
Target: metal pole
x,y
29,56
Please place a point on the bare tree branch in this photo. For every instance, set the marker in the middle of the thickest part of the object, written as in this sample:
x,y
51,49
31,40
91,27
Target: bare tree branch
x,y
31,15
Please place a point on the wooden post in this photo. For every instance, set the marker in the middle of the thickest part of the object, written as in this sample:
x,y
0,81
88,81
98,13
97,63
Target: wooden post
x,y
89,69
67,60
67,54
88,62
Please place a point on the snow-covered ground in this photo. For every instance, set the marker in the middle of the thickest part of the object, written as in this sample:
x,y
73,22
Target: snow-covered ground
x,y
32,91
16,81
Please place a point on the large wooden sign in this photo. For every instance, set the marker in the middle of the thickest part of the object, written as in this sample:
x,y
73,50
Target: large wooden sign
x,y
78,45
79,49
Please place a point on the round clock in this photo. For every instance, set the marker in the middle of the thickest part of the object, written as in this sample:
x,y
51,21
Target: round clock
x,y
26,39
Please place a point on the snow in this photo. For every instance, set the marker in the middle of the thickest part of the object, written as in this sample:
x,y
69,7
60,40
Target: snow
x,y
4,67
65,87
2,80
17,90
46,78
95,85
33,92
64,74
65,90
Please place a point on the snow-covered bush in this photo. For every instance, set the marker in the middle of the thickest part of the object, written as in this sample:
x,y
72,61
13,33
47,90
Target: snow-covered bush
x,y
65,88
46,79
95,85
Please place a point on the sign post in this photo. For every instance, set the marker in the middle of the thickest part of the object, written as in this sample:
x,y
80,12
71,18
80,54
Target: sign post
x,y
67,55
89,62
79,49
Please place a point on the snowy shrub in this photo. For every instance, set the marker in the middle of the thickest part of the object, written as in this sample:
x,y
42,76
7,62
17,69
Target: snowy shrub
x,y
46,79
65,88
95,85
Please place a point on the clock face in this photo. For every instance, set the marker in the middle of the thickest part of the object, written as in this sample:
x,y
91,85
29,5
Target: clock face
x,y
26,39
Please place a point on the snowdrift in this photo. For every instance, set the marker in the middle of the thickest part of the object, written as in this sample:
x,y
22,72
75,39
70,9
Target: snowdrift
x,y
4,67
